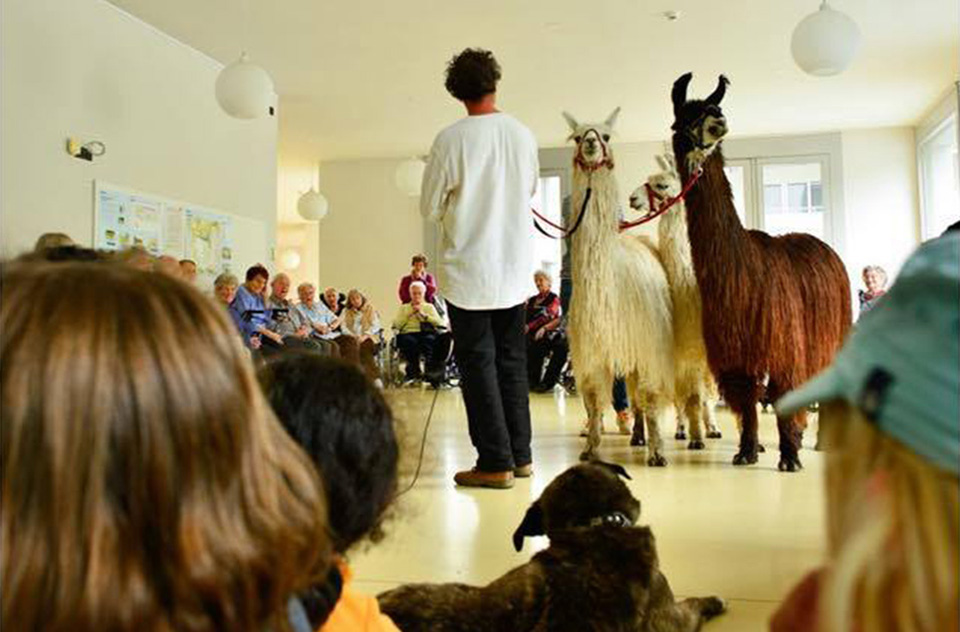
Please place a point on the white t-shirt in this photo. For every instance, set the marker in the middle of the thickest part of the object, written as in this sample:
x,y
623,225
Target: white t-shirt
x,y
479,183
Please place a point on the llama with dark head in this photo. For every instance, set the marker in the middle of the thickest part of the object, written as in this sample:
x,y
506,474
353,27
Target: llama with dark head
x,y
776,307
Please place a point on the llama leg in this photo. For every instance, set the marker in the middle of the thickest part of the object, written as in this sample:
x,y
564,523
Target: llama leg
x,y
592,402
709,416
790,429
741,393
655,413
691,410
639,437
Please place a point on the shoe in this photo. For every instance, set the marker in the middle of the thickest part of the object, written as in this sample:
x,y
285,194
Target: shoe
x,y
477,478
625,422
523,471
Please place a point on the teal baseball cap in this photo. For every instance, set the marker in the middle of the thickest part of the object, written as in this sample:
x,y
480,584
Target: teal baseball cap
x,y
901,364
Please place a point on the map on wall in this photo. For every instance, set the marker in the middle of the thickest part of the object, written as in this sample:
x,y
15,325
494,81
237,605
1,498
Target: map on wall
x,y
126,219
207,240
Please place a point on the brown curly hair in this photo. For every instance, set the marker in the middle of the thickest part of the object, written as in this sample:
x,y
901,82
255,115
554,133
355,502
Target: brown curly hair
x,y
472,74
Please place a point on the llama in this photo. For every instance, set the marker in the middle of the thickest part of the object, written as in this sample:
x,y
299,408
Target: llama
x,y
773,307
620,311
695,386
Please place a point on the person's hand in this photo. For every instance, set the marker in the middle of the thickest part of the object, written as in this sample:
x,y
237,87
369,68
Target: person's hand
x,y
415,308
274,336
540,333
255,342
323,329
303,332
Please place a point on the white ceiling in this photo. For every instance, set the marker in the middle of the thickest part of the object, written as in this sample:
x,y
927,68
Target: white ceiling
x,y
365,78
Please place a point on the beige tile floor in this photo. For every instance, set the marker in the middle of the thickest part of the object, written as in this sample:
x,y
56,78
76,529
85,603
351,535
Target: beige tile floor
x,y
746,534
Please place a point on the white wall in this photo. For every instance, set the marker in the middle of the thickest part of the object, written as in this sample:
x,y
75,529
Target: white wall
x,y
295,177
84,68
880,193
371,232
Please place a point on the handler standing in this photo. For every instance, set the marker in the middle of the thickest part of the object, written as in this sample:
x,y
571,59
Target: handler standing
x,y
478,185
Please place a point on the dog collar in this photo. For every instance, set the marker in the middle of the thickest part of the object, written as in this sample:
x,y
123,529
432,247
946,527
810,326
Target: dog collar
x,y
613,519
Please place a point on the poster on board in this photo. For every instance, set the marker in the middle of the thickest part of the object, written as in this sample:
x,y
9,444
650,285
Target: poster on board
x,y
126,220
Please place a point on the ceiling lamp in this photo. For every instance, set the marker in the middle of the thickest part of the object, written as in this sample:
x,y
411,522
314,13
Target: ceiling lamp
x,y
312,206
244,90
409,175
824,43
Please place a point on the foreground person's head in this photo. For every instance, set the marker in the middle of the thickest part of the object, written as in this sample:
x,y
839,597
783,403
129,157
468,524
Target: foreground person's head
x,y
146,484
343,422
890,406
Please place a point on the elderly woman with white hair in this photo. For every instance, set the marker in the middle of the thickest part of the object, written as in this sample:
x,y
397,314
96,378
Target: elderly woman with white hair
x,y
417,325
545,336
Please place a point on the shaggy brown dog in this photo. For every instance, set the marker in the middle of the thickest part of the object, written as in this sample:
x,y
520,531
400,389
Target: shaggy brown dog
x,y
772,306
599,573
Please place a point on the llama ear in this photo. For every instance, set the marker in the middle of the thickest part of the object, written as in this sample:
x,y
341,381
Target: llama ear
x,y
572,122
532,525
612,119
717,96
679,94
662,161
671,160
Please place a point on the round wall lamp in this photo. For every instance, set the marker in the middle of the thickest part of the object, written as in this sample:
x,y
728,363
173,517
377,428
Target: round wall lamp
x,y
824,43
312,206
290,259
244,90
409,175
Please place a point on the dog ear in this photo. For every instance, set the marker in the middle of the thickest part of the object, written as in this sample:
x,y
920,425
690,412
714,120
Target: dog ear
x,y
532,525
615,468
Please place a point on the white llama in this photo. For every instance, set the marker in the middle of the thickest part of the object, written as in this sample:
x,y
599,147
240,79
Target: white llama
x,y
620,311
696,390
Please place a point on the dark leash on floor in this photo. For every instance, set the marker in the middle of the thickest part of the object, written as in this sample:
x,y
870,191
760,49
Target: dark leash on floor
x,y
423,444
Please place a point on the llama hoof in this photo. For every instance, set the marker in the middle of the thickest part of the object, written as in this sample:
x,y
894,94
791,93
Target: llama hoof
x,y
681,435
714,434
657,460
712,607
638,441
696,444
790,464
745,458
760,448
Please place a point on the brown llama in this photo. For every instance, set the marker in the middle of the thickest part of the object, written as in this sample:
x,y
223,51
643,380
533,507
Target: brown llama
x,y
772,306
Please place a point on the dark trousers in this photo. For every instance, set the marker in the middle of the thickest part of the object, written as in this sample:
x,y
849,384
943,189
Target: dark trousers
x,y
553,345
432,347
492,356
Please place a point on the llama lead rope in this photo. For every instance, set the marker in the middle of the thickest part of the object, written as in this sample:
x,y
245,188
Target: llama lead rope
x,y
564,233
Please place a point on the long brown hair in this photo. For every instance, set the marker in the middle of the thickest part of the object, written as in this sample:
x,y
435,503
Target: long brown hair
x,y
146,484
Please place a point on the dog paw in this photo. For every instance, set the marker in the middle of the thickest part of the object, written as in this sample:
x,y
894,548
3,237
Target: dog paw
x,y
789,463
745,458
712,607
714,434
696,444
681,435
638,441
657,460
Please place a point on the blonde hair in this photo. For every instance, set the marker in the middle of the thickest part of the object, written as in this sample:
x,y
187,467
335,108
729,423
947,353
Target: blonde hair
x,y
52,240
146,484
893,528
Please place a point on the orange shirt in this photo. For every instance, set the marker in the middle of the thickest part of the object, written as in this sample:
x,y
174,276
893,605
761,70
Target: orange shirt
x,y
355,611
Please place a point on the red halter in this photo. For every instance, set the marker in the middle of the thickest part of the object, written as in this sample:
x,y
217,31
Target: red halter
x,y
668,202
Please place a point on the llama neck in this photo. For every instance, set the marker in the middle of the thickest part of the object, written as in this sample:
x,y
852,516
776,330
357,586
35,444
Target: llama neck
x,y
600,224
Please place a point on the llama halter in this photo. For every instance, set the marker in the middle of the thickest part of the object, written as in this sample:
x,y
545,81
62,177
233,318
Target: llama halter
x,y
579,160
668,202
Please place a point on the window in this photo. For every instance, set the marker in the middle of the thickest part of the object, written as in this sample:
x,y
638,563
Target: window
x,y
940,189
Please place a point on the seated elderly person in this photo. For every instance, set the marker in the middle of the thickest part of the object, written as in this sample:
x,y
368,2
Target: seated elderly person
x,y
224,289
417,325
288,321
188,270
362,322
334,301
545,337
418,273
325,325
875,279
249,311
